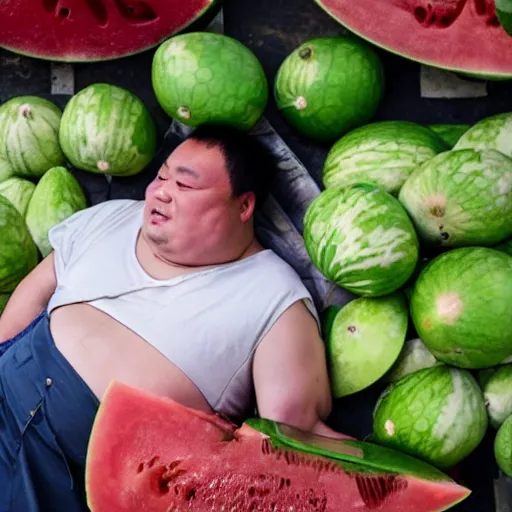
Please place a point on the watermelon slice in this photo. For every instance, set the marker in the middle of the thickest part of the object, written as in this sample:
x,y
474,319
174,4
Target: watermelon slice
x,y
150,453
92,30
459,35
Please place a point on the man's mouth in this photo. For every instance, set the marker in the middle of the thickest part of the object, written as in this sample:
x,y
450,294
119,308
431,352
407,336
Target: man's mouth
x,y
157,216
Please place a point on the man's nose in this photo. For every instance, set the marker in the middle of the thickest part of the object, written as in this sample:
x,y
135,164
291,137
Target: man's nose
x,y
163,195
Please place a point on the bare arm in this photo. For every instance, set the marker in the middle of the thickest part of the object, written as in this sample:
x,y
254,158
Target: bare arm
x,y
290,374
29,299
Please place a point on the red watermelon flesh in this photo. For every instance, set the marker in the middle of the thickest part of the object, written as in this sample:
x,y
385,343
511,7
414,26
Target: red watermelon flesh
x,y
150,453
92,30
459,35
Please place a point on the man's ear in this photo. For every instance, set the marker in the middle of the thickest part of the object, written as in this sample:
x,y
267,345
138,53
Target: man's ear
x,y
247,205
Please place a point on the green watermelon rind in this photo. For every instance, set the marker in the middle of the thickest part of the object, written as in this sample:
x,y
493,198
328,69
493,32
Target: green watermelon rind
x,y
503,447
373,458
497,390
53,58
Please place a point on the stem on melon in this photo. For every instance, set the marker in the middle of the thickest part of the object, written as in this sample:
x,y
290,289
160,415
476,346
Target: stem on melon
x,y
103,166
26,111
306,53
184,113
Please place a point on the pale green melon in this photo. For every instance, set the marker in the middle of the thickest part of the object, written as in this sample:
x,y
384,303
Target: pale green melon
x,y
4,298
29,137
413,357
498,395
18,191
493,132
106,129
461,198
203,77
58,195
18,253
365,339
361,238
436,414
383,153
329,85
503,447
460,307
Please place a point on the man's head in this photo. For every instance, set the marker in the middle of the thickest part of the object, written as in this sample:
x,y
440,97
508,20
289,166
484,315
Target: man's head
x,y
199,209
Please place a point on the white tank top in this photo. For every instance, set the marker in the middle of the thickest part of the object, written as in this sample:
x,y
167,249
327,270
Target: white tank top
x,y
207,323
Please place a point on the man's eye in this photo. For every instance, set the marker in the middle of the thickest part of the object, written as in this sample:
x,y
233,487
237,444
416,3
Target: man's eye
x,y
161,178
182,185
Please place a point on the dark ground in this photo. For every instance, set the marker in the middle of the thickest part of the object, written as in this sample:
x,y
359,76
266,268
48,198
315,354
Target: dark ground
x,y
272,29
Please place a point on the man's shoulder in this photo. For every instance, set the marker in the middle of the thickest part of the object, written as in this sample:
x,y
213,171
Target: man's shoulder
x,y
274,267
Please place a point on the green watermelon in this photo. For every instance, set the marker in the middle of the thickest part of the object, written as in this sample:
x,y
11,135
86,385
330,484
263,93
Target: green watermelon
x,y
329,85
18,253
58,195
361,238
29,137
328,316
498,395
436,414
460,307
18,191
461,198
503,447
107,130
203,77
413,357
450,133
504,13
366,338
4,298
493,132
151,453
505,247
383,153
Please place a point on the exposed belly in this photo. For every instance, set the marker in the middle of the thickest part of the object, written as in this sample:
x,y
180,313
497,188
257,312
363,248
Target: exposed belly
x,y
101,349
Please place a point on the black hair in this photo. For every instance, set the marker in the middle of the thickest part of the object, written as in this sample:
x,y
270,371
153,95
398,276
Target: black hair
x,y
250,166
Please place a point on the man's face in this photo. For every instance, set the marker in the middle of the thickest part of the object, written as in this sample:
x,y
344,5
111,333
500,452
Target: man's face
x,y
190,210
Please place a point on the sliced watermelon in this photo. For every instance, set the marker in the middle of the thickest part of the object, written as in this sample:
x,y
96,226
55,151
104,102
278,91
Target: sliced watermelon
x,y
459,35
150,453
92,30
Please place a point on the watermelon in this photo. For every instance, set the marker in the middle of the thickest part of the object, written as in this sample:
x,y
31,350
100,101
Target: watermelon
x,y
92,30
151,453
459,35
460,307
384,153
413,357
493,132
504,13
498,395
361,238
436,414
4,298
18,191
503,447
328,86
204,77
57,196
18,253
29,137
505,247
461,198
450,133
365,339
106,129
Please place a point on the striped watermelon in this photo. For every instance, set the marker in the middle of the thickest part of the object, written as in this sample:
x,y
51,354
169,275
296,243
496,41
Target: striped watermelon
x,y
436,414
106,129
384,153
29,141
361,238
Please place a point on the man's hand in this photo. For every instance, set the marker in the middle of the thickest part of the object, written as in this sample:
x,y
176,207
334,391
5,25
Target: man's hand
x,y
290,373
29,299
